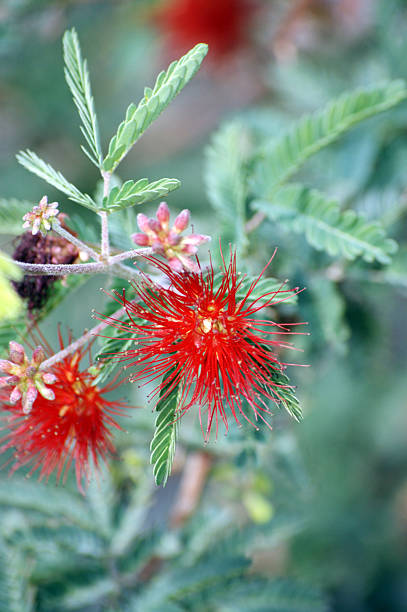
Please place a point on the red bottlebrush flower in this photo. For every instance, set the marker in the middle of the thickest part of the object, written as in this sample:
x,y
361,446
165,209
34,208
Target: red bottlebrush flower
x,y
75,427
223,24
207,338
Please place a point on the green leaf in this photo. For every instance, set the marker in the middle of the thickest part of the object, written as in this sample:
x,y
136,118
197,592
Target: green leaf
x,y
49,501
261,595
263,290
10,302
325,226
265,287
77,77
139,118
16,595
211,572
285,395
313,132
37,166
330,309
131,193
226,181
166,431
119,341
81,597
11,215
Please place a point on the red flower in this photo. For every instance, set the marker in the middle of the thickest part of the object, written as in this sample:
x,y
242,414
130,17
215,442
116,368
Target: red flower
x,y
223,24
73,427
207,338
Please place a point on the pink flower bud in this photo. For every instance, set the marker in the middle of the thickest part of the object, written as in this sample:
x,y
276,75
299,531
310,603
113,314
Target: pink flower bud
x,y
46,393
38,355
36,226
7,366
29,398
155,226
175,264
182,221
163,214
195,239
49,378
142,222
10,381
17,352
15,395
140,239
189,249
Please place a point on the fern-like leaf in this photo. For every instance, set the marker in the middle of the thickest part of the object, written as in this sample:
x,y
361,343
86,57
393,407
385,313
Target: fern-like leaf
x,y
284,394
138,118
119,342
131,193
77,77
37,166
166,432
11,215
313,132
260,594
330,309
325,226
226,181
50,501
264,290
16,595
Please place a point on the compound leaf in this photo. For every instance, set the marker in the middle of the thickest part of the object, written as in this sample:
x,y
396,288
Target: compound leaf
x,y
313,132
11,215
37,166
166,431
226,181
138,118
77,77
325,226
131,193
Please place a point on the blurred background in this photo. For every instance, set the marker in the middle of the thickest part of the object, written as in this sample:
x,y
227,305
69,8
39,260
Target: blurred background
x,y
318,507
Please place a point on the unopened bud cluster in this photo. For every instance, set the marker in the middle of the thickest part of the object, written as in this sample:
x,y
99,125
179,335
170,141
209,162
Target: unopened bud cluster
x,y
24,377
41,217
168,242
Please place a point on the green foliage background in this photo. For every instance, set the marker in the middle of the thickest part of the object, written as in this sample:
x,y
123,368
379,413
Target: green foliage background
x,y
311,516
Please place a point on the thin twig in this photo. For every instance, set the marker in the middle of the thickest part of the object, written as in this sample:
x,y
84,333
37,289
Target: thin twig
x,y
89,268
60,269
254,222
104,218
75,241
74,346
105,248
129,254
193,481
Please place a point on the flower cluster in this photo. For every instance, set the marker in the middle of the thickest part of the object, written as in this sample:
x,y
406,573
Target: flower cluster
x,y
24,377
41,217
203,334
168,242
73,427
